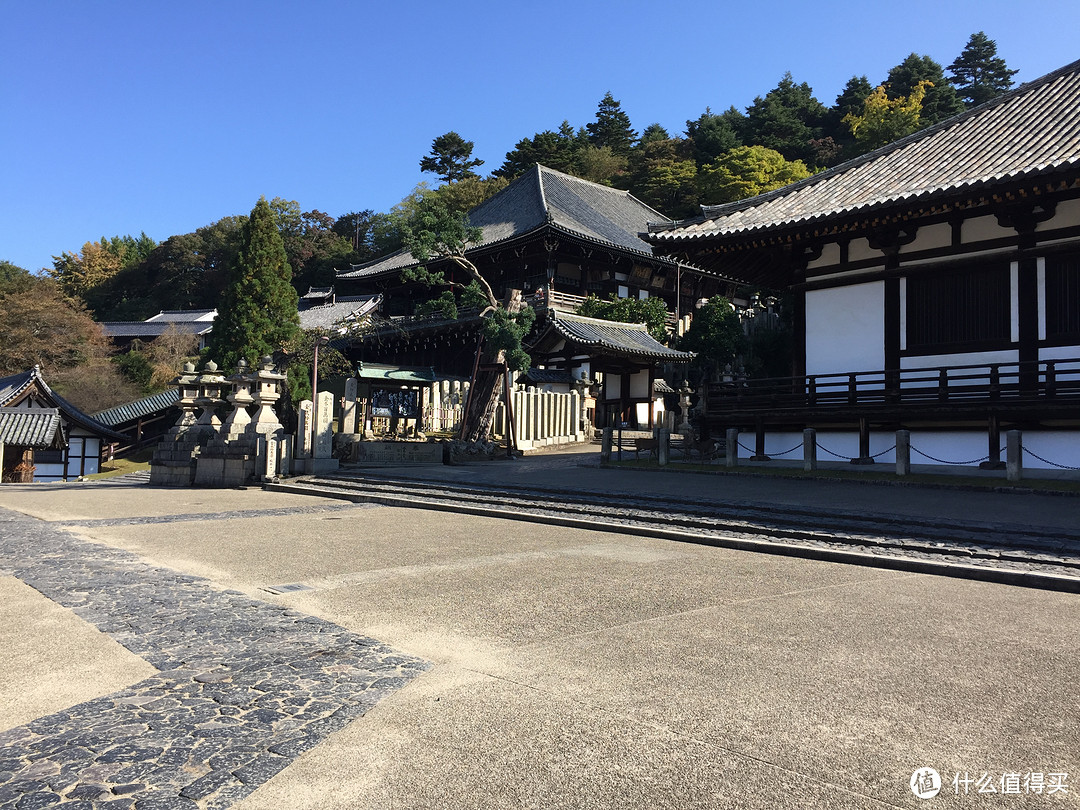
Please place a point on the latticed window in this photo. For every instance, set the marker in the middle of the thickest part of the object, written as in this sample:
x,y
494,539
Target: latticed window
x,y
957,309
1063,296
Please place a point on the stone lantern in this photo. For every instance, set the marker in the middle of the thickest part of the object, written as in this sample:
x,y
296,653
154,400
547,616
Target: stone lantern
x,y
209,383
266,390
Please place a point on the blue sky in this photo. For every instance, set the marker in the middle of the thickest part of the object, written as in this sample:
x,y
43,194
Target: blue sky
x,y
121,117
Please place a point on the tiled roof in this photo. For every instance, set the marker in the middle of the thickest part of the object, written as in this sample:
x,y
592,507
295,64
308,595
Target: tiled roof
x,y
345,308
376,372
1029,132
183,315
624,339
318,292
152,329
544,197
12,386
139,409
32,427
547,375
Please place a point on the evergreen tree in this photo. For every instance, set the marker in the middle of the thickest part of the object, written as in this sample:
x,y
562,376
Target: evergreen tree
x,y
787,120
258,313
940,100
451,158
849,102
712,135
556,150
978,73
611,127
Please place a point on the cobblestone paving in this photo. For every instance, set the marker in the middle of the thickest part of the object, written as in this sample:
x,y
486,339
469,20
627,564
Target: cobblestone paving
x,y
244,686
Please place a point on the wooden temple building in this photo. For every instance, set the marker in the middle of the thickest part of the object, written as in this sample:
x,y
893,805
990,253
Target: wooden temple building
x,y
557,238
43,437
936,283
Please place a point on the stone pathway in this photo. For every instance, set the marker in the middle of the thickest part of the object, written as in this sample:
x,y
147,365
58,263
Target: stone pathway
x,y
244,686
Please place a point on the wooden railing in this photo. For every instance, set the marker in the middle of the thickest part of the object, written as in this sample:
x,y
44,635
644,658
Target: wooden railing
x,y
1044,380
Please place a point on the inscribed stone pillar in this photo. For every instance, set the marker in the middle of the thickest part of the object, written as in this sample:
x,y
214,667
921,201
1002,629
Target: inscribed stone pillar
x,y
303,428
903,452
324,421
348,413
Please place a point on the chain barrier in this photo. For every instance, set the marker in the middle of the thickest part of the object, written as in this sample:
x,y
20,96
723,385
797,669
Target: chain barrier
x,y
853,458
914,449
770,455
1048,461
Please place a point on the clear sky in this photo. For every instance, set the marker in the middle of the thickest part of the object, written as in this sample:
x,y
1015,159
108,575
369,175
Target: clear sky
x,y
122,116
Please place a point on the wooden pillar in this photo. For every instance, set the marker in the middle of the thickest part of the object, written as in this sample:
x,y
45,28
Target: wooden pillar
x,y
759,440
864,442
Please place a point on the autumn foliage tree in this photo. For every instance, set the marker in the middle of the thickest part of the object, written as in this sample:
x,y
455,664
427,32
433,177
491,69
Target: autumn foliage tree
x,y
884,120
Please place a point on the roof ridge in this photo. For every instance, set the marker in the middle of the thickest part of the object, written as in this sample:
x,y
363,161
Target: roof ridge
x,y
560,316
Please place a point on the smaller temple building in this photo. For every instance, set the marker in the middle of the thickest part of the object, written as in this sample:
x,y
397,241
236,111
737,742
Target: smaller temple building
x,y
54,441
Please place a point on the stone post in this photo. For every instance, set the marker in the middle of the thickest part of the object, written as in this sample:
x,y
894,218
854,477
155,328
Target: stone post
x,y
323,440
663,447
903,452
732,447
809,449
348,412
1014,455
304,414
605,445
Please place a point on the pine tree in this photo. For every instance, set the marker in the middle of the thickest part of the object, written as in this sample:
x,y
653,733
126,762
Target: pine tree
x,y
611,127
978,73
258,313
451,158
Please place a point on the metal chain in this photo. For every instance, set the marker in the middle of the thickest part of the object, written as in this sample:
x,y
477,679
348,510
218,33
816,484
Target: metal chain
x,y
1051,463
957,463
754,452
838,455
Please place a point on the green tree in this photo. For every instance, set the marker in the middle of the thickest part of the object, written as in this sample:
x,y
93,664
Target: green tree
x,y
884,120
464,195
747,171
451,158
940,100
787,119
715,334
14,278
258,313
611,128
712,135
663,175
650,311
601,164
556,150
978,73
850,101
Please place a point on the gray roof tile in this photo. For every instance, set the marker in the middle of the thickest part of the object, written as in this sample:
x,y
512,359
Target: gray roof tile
x,y
540,197
625,339
32,427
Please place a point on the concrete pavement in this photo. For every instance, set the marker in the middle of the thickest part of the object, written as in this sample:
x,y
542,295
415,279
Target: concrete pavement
x,y
582,669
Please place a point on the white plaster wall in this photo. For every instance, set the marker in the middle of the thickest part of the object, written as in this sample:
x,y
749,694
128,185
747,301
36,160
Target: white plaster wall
x,y
845,329
1067,213
1059,353
639,385
929,237
830,255
859,249
982,228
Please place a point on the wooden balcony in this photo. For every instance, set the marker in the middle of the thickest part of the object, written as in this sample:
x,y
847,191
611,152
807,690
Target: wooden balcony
x,y
1047,389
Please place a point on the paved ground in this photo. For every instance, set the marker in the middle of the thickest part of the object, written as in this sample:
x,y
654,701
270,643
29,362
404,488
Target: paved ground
x,y
567,668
